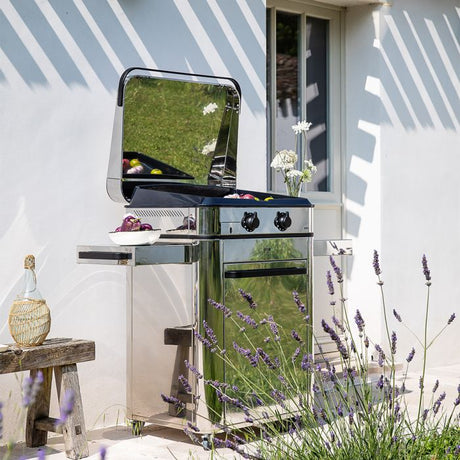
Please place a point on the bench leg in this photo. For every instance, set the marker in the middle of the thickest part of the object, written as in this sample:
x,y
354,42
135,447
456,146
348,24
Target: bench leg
x,y
39,409
74,431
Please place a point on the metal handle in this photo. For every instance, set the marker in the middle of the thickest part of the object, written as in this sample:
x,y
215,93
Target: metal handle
x,y
102,255
260,272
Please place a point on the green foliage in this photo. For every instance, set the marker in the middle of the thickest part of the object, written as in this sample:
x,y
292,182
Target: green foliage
x,y
349,412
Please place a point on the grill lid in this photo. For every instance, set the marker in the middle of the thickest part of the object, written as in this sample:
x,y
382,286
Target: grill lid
x,y
173,126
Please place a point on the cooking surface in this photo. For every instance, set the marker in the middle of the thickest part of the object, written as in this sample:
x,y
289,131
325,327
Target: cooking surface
x,y
179,195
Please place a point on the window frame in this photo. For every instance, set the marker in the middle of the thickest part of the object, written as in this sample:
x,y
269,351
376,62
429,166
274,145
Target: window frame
x,y
336,80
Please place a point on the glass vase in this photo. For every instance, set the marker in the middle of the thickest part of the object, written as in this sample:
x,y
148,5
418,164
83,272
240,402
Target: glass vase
x,y
293,187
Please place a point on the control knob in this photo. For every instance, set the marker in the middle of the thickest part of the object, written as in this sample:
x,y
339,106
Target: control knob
x,y
282,220
250,221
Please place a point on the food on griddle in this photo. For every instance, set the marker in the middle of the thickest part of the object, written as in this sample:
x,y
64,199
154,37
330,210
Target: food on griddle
x,y
156,171
138,169
125,164
134,162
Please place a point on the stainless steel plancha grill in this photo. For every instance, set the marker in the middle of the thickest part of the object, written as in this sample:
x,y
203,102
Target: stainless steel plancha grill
x,y
215,240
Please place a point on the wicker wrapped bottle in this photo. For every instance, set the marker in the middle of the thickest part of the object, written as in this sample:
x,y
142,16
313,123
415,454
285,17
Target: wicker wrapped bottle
x,y
29,319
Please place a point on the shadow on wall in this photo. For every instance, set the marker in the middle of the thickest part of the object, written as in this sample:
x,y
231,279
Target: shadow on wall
x,y
411,82
77,43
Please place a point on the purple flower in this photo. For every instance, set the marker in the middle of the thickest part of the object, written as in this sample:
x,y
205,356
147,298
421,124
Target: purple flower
x,y
205,341
379,384
330,285
335,338
274,327
438,402
298,302
307,361
218,306
436,385
426,270
338,324
266,359
27,391
397,316
102,453
393,342
257,400
339,410
295,354
410,356
350,416
209,332
247,319
452,317
185,383
381,359
246,296
178,404
67,405
193,427
337,271
30,388
296,336
193,369
359,321
376,263
366,341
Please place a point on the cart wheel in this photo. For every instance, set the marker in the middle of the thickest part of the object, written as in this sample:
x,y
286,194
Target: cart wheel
x,y
136,427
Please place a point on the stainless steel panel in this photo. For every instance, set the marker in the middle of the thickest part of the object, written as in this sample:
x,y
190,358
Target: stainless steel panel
x,y
159,253
159,298
259,249
333,248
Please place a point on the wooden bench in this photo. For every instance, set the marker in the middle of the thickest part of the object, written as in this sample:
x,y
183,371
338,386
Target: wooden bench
x,y
62,356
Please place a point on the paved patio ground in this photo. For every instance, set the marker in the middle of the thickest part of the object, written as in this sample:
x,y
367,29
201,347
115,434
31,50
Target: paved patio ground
x,y
168,444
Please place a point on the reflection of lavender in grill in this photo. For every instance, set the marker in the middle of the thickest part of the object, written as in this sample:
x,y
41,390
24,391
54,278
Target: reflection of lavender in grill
x,y
189,223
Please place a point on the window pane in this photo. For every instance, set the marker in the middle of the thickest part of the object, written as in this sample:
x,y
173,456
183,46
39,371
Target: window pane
x,y
287,84
317,101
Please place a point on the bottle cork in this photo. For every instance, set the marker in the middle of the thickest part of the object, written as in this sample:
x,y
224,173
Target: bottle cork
x,y
29,262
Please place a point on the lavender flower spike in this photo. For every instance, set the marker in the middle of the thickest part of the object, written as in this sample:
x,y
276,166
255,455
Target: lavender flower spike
x,y
452,317
248,297
397,315
337,271
393,342
67,405
410,356
102,453
376,263
330,285
359,321
426,270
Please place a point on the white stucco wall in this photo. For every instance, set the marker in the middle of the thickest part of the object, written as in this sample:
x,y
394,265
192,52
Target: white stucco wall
x,y
59,68
403,146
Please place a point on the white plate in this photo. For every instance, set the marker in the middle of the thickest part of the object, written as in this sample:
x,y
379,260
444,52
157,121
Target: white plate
x,y
135,238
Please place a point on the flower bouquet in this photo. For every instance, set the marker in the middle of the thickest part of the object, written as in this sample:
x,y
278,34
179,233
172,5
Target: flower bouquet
x,y
286,160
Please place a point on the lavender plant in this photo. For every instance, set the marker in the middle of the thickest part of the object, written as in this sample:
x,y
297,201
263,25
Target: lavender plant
x,y
298,406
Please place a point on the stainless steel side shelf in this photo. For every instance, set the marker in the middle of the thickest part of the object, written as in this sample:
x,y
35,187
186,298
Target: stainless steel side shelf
x,y
158,253
332,248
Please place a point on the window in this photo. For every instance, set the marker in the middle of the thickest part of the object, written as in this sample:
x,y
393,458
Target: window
x,y
303,83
